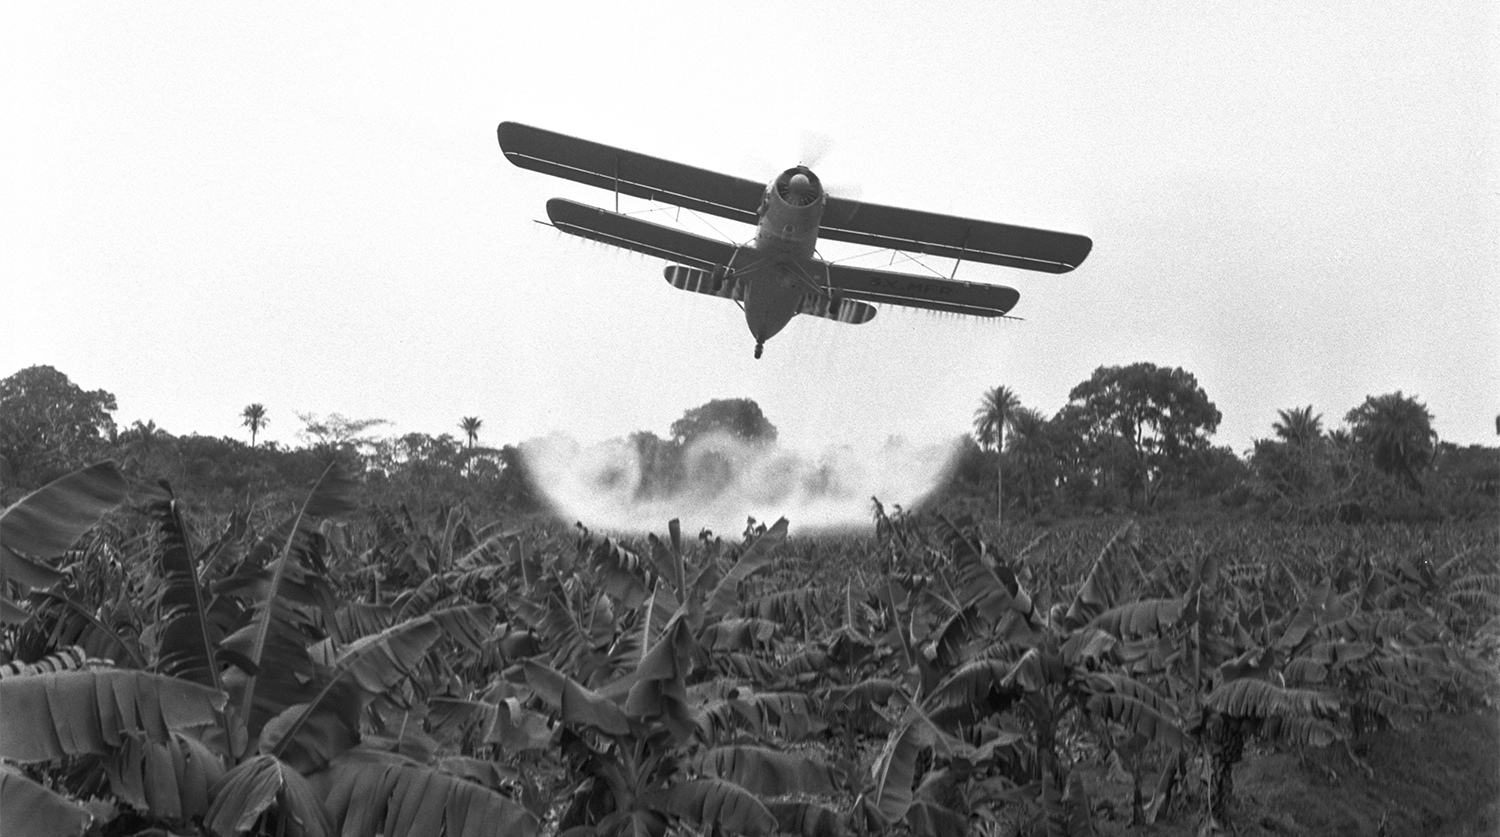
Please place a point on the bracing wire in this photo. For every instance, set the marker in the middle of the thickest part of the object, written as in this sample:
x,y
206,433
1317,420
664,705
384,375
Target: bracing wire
x,y
914,260
676,213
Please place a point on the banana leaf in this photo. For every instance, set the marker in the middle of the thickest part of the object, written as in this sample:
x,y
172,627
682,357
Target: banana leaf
x,y
806,819
168,779
371,792
295,573
309,734
895,767
45,812
70,713
718,803
188,637
246,792
574,703
1251,697
1109,581
43,524
1145,617
660,689
1134,706
766,771
725,595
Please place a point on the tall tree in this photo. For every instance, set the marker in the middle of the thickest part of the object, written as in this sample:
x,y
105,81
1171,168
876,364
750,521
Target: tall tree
x,y
996,411
1298,426
1396,431
740,418
50,426
470,426
339,437
1142,421
254,416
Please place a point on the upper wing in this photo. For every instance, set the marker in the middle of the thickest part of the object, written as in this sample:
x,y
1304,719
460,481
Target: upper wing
x,y
933,293
640,236
630,173
953,238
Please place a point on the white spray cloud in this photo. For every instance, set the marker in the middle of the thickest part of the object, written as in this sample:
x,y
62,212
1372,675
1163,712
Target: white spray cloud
x,y
725,480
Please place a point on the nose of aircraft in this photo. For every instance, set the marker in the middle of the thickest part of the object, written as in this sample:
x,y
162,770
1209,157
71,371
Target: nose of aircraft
x,y
800,184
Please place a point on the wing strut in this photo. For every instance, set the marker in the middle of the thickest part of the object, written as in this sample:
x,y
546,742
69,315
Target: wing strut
x,y
963,249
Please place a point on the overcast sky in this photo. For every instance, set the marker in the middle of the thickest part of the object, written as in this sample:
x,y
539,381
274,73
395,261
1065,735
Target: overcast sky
x,y
305,206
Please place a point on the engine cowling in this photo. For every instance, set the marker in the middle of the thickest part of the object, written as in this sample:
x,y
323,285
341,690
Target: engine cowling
x,y
799,187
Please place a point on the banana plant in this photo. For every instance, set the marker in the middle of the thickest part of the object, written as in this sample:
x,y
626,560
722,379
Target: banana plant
x,y
634,747
994,653
245,698
650,749
1229,685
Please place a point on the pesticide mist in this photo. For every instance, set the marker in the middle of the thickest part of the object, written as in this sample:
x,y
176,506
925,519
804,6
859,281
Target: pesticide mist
x,y
718,481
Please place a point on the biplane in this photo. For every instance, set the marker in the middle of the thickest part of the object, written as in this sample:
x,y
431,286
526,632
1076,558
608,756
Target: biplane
x,y
778,274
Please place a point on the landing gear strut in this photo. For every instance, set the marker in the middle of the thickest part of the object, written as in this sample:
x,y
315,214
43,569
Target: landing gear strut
x,y
759,347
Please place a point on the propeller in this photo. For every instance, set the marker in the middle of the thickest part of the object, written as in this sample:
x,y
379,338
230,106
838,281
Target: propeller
x,y
815,146
814,149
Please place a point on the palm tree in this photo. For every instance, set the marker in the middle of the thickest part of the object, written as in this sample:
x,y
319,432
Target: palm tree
x,y
470,426
1397,431
1298,425
996,410
254,417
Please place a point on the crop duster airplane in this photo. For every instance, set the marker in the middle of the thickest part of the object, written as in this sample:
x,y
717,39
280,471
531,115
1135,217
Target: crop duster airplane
x,y
778,275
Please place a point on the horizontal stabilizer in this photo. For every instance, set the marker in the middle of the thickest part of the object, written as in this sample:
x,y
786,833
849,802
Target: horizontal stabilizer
x,y
838,309
703,282
641,236
930,292
629,173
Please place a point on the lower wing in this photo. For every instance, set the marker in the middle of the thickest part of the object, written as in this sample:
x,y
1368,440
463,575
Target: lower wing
x,y
641,236
933,293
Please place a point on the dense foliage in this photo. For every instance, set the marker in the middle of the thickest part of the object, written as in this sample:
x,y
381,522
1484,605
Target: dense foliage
x,y
49,425
1131,439
328,667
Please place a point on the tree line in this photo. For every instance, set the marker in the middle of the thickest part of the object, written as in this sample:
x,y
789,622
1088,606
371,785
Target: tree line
x,y
1134,438
1138,438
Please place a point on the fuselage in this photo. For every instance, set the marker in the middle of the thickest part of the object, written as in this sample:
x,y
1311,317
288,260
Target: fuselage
x,y
779,268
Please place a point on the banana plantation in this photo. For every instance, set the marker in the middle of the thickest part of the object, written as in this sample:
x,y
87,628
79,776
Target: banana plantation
x,y
322,666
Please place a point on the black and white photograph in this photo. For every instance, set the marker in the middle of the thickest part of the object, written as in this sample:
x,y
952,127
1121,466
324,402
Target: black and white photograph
x,y
843,418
